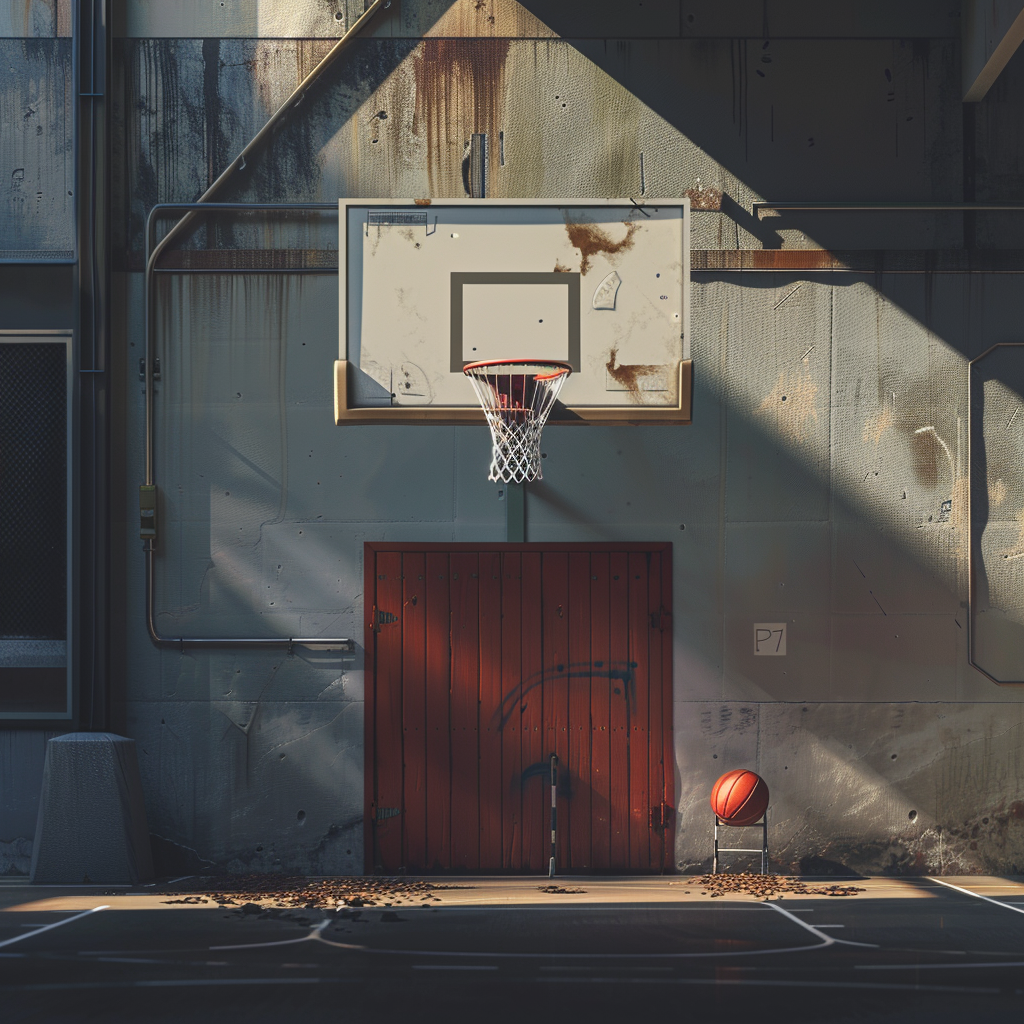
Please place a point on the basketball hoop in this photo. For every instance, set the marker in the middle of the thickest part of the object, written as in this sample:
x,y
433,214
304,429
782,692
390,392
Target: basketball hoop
x,y
517,396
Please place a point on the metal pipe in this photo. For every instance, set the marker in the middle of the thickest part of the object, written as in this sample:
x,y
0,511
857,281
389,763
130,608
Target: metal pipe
x,y
152,252
237,164
314,643
970,530
237,270
296,97
760,205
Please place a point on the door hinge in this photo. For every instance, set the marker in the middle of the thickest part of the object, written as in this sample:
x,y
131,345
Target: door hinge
x,y
156,368
662,816
660,619
380,618
383,813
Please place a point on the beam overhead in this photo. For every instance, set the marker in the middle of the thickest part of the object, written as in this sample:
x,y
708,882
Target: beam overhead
x,y
991,32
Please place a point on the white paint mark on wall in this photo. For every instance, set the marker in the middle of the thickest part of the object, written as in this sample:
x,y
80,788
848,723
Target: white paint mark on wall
x,y
788,296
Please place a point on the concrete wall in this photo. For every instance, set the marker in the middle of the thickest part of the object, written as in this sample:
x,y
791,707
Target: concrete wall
x,y
37,182
823,482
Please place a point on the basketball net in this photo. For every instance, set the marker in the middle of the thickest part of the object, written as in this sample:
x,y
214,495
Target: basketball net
x,y
517,396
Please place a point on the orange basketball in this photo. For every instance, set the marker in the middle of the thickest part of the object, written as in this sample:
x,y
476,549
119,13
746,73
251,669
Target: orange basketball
x,y
739,797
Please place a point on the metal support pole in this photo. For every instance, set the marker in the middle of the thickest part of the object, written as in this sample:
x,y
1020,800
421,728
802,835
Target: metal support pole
x,y
515,513
763,824
554,814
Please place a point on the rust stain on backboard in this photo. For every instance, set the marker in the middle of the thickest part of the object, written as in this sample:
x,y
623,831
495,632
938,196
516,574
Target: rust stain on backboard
x,y
590,240
629,374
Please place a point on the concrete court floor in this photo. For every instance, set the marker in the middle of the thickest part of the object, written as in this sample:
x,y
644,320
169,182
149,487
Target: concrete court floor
x,y
499,949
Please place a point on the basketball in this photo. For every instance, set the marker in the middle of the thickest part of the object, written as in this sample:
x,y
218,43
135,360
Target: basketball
x,y
739,797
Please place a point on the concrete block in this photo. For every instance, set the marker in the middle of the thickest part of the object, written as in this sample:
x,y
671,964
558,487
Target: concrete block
x,y
92,820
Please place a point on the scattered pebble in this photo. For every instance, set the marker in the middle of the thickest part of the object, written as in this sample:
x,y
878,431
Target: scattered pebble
x,y
250,894
767,886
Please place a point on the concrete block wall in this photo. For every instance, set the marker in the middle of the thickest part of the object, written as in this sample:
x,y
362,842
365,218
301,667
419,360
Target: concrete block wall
x,y
823,483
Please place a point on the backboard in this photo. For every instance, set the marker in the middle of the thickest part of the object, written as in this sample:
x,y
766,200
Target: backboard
x,y
426,287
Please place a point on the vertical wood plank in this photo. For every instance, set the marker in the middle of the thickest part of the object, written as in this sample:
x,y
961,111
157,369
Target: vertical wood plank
x,y
639,732
620,708
580,736
600,711
369,707
465,702
555,659
388,713
536,791
491,787
668,765
511,721
439,796
655,734
414,711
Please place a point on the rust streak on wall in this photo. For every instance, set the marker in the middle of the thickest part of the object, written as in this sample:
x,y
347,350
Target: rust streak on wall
x,y
460,90
705,198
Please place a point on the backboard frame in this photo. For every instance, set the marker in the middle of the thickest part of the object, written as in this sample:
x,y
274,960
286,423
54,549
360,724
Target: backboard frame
x,y
348,412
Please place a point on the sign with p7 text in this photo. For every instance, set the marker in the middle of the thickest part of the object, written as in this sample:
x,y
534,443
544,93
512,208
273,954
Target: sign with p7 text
x,y
770,638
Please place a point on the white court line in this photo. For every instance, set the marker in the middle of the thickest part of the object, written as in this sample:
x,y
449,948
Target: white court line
x,y
313,936
47,927
935,967
977,895
827,940
316,936
596,902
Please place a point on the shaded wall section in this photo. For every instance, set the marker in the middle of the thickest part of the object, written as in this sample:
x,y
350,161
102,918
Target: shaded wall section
x,y
37,206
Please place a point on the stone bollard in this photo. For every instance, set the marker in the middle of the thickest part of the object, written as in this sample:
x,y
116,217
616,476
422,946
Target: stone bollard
x,y
91,827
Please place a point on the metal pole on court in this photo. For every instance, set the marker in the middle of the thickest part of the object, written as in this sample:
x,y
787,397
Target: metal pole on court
x,y
554,813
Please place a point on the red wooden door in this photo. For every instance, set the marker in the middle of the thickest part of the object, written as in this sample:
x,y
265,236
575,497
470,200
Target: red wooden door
x,y
482,662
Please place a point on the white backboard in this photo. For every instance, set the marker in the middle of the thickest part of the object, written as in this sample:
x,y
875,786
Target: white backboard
x,y
428,287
